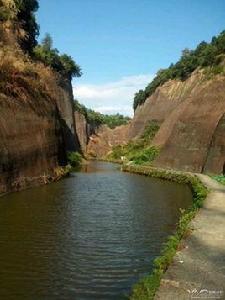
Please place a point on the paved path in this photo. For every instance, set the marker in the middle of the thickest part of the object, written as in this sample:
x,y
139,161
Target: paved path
x,y
200,266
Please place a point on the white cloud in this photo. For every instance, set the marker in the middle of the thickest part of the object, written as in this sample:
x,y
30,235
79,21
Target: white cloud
x,y
112,97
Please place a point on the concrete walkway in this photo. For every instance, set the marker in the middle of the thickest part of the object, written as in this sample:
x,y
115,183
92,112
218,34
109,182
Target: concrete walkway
x,y
198,269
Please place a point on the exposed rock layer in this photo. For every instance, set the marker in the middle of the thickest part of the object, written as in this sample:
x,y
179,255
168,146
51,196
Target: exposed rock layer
x,y
104,139
34,137
191,114
82,130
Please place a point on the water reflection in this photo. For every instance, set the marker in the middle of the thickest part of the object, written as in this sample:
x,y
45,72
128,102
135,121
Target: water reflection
x,y
90,236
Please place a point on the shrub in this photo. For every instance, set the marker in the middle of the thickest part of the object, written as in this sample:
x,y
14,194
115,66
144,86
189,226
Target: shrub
x,y
145,156
139,151
117,152
74,159
150,131
98,119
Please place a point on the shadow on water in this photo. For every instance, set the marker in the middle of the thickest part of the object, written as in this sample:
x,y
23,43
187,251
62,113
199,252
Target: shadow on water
x,y
89,236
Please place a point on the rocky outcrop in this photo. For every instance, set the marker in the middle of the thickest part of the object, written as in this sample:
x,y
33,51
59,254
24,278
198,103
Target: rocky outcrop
x,y
96,141
165,99
191,114
64,101
82,130
104,139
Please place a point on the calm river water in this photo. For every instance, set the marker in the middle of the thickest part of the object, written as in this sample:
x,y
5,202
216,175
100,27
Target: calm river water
x,y
89,236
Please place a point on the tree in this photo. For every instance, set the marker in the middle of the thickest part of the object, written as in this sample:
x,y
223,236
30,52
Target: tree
x,y
64,64
27,20
205,54
70,68
98,119
47,43
220,42
186,52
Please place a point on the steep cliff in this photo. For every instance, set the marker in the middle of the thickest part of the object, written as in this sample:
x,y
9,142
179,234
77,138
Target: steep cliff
x,y
104,139
96,138
37,124
191,115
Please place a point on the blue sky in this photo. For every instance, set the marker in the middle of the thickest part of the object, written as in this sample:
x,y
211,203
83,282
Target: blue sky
x,y
120,44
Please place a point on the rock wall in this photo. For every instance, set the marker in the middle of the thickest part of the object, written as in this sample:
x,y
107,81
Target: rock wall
x,y
102,142
215,154
191,114
82,130
64,101
97,141
35,134
165,99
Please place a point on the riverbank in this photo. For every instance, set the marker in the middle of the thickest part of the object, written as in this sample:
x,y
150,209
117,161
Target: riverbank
x,y
198,269
169,286
23,183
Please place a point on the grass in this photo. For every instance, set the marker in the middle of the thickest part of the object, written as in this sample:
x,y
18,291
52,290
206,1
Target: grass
x,y
61,172
138,151
210,72
219,178
134,151
23,79
147,287
146,155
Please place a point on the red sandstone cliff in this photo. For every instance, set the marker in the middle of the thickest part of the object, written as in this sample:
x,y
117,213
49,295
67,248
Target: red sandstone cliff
x,y
82,130
34,136
104,139
191,114
37,123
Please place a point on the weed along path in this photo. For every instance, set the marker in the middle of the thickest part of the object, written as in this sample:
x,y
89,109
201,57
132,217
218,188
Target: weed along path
x,y
198,269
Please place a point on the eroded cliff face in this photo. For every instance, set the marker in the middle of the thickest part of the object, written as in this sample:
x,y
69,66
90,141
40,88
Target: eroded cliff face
x,y
165,99
64,101
104,139
34,139
96,141
37,124
192,131
82,130
31,143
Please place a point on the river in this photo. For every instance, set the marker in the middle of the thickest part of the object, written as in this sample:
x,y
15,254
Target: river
x,y
89,236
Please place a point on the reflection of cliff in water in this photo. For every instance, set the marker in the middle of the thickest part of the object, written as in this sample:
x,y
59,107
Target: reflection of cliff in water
x,y
89,236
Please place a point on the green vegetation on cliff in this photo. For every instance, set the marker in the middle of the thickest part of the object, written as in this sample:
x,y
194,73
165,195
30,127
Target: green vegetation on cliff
x,y
138,151
98,119
64,64
35,75
22,14
205,55
74,159
19,16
